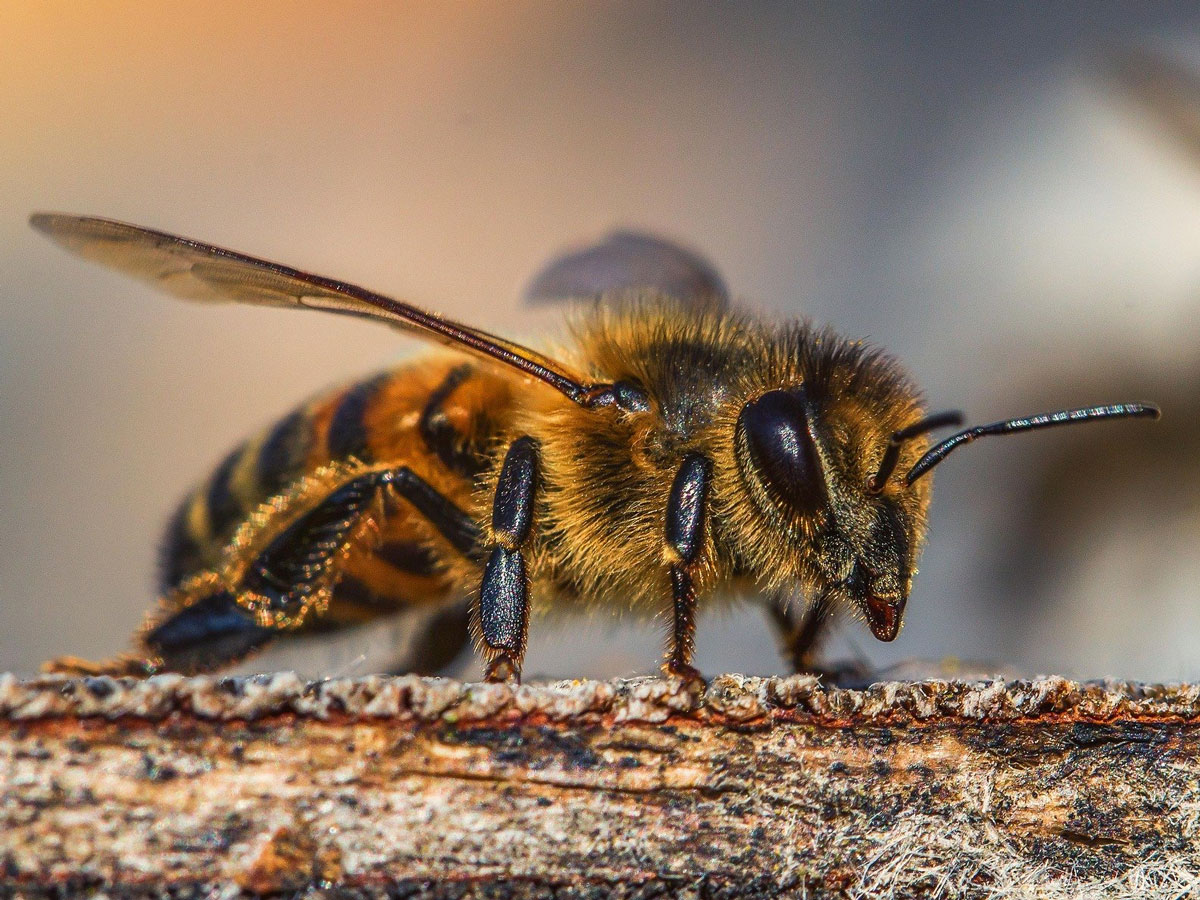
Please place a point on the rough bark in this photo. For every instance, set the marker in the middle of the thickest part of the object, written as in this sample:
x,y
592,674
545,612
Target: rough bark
x,y
414,787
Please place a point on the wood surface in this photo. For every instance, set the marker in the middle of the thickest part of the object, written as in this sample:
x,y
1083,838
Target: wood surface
x,y
429,788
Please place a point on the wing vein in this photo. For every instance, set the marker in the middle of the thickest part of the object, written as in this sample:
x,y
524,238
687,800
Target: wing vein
x,y
194,270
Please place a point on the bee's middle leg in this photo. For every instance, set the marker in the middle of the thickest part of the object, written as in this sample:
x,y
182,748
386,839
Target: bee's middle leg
x,y
685,536
503,612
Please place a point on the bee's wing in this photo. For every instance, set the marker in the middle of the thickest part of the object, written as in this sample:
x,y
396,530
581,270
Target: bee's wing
x,y
197,271
628,261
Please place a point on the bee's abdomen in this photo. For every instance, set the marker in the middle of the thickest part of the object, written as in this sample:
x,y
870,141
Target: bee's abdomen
x,y
436,416
281,457
182,552
207,518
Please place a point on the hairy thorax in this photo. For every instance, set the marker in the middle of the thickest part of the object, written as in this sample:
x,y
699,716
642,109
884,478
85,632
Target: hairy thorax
x,y
607,472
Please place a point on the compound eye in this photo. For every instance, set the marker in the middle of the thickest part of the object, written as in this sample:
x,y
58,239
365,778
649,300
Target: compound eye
x,y
774,429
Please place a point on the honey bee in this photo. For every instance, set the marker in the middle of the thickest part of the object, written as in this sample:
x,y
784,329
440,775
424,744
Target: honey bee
x,y
678,450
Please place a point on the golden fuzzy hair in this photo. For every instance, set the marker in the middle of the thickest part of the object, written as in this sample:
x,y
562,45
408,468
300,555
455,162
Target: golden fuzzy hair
x,y
608,473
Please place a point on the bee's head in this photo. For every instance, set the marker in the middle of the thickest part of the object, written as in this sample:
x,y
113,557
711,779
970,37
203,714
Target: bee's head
x,y
809,462
831,452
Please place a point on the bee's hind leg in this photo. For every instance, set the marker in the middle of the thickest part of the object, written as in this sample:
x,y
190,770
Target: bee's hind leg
x,y
289,582
199,626
217,618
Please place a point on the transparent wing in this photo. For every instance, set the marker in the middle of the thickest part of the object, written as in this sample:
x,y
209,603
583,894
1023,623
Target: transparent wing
x,y
626,261
197,271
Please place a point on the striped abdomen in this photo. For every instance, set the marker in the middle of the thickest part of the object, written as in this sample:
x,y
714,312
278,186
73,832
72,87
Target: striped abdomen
x,y
437,416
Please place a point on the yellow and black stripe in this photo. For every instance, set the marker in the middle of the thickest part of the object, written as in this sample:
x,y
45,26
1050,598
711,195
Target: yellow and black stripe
x,y
438,420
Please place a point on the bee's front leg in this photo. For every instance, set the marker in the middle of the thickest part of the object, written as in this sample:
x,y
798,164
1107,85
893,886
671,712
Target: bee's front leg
x,y
685,536
799,633
800,637
503,611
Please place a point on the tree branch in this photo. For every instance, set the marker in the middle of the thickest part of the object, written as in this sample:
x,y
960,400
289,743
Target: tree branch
x,y
761,788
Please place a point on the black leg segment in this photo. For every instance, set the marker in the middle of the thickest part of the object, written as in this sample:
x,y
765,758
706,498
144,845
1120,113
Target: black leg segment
x,y
512,511
296,564
683,632
686,508
504,593
799,633
451,522
503,600
212,632
288,574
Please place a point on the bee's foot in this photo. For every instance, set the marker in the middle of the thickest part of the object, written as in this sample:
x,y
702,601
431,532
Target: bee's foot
x,y
502,670
688,673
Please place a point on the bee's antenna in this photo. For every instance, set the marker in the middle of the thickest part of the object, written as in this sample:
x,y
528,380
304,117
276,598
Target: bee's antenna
x,y
1029,423
891,455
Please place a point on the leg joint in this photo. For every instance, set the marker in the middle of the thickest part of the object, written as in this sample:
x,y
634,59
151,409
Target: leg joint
x,y
451,522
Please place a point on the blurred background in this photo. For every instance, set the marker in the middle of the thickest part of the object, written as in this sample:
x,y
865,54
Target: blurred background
x,y
1005,197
